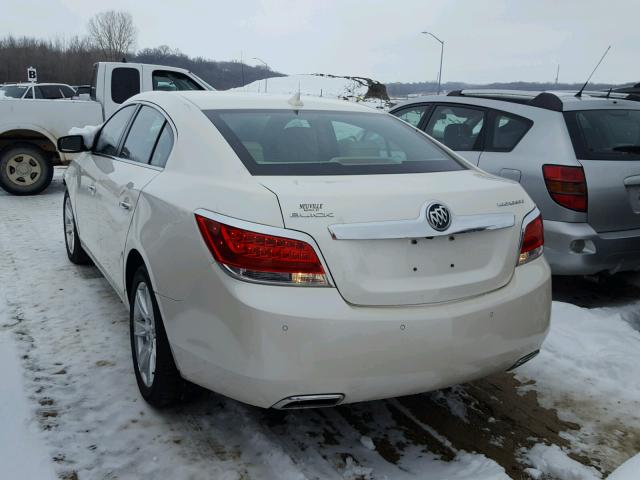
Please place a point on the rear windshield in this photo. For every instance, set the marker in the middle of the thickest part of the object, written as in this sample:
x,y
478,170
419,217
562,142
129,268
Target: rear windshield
x,y
605,134
14,91
290,142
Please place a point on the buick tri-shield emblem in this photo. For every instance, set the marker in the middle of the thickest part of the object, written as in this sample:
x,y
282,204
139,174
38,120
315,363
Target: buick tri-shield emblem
x,y
438,217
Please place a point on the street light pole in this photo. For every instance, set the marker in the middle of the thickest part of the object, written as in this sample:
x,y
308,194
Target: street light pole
x,y
267,67
441,57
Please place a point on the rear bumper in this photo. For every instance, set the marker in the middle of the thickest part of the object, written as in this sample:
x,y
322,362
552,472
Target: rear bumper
x,y
604,252
260,344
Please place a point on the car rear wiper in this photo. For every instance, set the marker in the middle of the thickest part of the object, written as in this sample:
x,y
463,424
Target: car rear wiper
x,y
627,148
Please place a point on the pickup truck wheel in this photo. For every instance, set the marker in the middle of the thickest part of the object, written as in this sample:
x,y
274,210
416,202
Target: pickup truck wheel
x,y
25,170
75,252
159,380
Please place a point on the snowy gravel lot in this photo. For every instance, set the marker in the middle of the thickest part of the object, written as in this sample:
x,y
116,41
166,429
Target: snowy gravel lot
x,y
69,405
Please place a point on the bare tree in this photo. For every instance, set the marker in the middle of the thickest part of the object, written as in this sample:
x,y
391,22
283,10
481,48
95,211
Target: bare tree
x,y
113,33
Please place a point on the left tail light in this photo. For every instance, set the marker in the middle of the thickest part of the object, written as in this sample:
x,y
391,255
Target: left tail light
x,y
262,258
532,240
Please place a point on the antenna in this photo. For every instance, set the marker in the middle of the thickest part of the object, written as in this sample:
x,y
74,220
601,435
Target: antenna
x,y
579,94
557,74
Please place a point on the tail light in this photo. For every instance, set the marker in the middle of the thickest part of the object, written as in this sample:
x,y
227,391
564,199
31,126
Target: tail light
x,y
567,186
262,258
532,243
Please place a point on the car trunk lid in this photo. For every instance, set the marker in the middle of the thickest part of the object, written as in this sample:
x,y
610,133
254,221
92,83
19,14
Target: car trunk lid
x,y
373,232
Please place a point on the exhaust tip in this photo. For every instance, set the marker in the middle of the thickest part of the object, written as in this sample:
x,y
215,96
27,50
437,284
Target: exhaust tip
x,y
298,402
523,360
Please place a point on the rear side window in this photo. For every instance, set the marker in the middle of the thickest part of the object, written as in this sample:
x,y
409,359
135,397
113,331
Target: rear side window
x,y
173,81
312,142
111,133
506,131
605,134
125,83
163,147
412,115
459,128
142,135
51,92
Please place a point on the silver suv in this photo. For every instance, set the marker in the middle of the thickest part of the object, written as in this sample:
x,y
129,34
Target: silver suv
x,y
578,157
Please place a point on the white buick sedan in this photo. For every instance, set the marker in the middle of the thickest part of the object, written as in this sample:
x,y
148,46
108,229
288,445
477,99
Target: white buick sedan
x,y
296,253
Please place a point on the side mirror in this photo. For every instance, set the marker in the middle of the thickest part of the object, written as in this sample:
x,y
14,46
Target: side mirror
x,y
71,144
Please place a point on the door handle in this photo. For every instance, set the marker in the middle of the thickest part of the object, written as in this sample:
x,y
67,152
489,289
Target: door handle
x,y
92,189
125,205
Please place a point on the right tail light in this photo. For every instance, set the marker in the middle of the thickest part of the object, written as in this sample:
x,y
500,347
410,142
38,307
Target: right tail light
x,y
567,186
532,242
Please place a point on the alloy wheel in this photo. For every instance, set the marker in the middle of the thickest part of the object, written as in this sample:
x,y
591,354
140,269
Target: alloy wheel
x,y
144,331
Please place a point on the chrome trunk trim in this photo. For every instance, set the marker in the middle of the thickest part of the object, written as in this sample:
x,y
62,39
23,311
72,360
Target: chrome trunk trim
x,y
419,227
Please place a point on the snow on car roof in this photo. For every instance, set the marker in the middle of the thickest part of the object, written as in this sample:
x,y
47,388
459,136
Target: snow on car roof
x,y
210,100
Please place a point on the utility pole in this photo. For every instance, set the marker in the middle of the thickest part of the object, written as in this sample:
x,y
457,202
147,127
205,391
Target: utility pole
x,y
441,57
241,69
265,66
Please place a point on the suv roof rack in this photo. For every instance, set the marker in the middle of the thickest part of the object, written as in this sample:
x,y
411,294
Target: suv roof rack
x,y
545,100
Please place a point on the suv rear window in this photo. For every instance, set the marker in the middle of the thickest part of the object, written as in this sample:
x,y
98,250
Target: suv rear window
x,y
605,134
290,142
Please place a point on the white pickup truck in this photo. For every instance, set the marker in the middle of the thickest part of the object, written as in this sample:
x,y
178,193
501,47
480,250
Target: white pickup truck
x,y
29,129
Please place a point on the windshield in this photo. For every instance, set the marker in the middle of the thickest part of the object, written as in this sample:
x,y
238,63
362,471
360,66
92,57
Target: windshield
x,y
605,134
292,142
14,91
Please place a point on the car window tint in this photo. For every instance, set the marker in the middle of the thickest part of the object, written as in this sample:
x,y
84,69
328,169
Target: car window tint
x,y
142,135
29,93
459,128
125,83
507,130
38,92
163,147
412,115
51,92
173,81
605,134
316,142
68,92
110,134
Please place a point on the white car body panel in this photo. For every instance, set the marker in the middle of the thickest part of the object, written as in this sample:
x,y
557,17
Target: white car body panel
x,y
262,343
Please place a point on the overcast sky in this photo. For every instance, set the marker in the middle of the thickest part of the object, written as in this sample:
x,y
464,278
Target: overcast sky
x,y
485,40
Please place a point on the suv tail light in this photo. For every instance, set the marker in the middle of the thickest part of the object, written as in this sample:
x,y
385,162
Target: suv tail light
x,y
567,186
262,258
532,243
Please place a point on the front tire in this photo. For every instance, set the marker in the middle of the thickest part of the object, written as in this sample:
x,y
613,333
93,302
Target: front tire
x,y
158,377
25,170
75,252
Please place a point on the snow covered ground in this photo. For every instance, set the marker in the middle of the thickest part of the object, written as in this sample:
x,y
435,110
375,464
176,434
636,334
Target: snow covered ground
x,y
69,403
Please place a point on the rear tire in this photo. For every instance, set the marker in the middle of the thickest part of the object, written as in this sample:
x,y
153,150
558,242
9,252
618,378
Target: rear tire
x,y
158,377
75,252
25,170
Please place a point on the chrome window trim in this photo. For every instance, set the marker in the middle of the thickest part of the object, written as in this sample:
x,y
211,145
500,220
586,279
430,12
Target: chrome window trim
x,y
267,230
419,227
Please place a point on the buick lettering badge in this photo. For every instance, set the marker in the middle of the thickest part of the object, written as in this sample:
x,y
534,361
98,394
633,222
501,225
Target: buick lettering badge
x,y
438,217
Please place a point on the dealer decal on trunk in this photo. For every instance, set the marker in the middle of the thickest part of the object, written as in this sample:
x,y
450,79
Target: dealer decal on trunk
x,y
311,210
